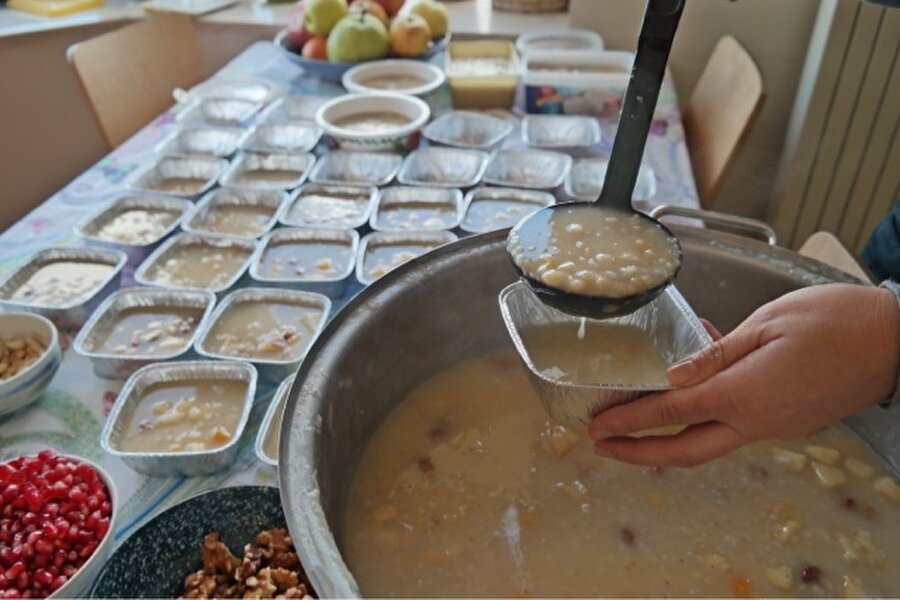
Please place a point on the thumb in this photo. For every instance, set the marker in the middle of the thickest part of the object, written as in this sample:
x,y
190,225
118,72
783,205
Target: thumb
x,y
716,357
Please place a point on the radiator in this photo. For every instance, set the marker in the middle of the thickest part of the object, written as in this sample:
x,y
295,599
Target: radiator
x,y
840,171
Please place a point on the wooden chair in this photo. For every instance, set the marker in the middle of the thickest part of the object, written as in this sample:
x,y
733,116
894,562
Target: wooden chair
x,y
827,248
128,75
720,113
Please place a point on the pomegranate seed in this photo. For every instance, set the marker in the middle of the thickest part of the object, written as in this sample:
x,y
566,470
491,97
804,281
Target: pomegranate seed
x,y
106,508
59,558
43,577
10,493
23,581
58,582
102,528
68,571
16,569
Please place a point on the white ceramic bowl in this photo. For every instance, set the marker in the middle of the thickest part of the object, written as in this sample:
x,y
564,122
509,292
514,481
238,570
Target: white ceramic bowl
x,y
400,138
24,387
431,77
83,579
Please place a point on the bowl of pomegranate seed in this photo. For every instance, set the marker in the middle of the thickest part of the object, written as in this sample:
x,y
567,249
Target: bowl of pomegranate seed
x,y
56,525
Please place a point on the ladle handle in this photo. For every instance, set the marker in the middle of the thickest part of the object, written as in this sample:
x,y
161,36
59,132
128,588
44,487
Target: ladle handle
x,y
660,22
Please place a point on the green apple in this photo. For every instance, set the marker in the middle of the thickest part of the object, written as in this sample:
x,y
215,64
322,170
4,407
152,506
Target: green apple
x,y
320,16
357,38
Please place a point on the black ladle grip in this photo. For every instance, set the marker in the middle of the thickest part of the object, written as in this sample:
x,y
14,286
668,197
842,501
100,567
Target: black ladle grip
x,y
660,22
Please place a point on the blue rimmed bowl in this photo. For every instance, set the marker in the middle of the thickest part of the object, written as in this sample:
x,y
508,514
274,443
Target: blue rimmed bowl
x,y
25,386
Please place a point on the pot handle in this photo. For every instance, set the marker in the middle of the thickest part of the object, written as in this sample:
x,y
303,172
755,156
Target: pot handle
x,y
718,218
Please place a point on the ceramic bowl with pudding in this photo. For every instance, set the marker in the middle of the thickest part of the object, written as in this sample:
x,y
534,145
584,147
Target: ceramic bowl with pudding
x,y
373,121
411,77
29,357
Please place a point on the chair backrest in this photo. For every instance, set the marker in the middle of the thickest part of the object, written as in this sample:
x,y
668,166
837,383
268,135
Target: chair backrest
x,y
722,109
128,75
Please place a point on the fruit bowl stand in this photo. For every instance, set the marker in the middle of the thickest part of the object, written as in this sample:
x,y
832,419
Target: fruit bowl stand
x,y
333,71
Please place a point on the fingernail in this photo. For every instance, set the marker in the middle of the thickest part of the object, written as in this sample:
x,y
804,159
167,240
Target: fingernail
x,y
682,373
600,434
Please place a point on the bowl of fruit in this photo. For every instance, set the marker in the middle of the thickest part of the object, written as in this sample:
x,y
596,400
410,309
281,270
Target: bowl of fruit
x,y
329,37
56,526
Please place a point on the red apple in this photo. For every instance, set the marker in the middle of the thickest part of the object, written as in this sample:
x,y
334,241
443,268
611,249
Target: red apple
x,y
316,48
391,6
296,30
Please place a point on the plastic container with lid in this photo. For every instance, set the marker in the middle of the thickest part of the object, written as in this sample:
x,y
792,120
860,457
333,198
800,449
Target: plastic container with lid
x,y
482,73
576,82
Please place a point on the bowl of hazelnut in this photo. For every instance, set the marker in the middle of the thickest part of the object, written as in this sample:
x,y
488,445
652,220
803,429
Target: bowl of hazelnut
x,y
29,357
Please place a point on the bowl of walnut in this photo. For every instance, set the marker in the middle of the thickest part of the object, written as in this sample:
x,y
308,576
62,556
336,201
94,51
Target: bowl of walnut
x,y
227,543
29,357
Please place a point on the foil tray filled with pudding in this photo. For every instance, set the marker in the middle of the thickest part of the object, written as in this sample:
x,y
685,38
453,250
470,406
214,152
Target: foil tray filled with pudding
x,y
490,208
315,260
253,89
196,262
443,167
184,176
268,171
63,284
330,206
566,133
134,224
269,327
416,208
294,108
581,367
220,111
181,419
381,252
135,327
286,137
344,167
266,445
236,212
528,168
203,140
467,129
585,180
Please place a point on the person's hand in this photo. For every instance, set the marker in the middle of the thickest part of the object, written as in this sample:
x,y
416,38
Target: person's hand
x,y
799,363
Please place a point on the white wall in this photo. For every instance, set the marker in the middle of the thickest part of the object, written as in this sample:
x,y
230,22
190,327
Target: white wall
x,y
776,34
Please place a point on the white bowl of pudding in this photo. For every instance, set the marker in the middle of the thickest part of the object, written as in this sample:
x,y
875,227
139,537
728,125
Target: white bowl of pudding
x,y
373,121
30,355
411,77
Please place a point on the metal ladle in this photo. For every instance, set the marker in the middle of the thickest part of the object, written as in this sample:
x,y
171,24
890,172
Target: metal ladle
x,y
660,22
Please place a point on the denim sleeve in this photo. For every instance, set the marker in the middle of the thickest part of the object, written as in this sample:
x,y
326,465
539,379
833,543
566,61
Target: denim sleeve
x,y
882,252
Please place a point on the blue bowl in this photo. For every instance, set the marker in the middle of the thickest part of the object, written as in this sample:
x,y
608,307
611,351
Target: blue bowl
x,y
154,561
332,71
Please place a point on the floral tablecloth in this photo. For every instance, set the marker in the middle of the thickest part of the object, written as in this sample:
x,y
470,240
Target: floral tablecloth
x,y
70,414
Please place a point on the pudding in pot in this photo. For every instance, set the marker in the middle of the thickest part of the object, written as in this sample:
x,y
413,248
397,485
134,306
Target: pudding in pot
x,y
466,489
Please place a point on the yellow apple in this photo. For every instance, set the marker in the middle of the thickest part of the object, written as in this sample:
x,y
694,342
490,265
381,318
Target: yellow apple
x,y
410,35
435,14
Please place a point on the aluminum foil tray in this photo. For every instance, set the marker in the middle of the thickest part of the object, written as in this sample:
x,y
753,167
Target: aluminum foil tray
x,y
566,133
295,216
185,176
270,429
176,464
465,129
143,274
297,136
66,316
399,195
201,140
88,229
223,198
120,366
444,167
668,321
294,108
269,369
253,89
528,200
585,180
268,171
333,287
220,111
344,167
432,240
528,168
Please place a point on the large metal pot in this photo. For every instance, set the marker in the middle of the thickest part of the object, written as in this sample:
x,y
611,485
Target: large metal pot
x,y
442,308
